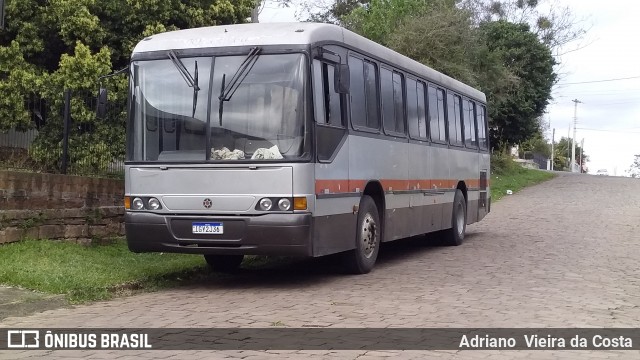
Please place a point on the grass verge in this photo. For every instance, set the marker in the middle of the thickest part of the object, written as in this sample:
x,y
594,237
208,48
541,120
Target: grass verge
x,y
508,175
96,272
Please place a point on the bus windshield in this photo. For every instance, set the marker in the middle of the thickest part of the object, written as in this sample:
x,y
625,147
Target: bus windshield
x,y
263,119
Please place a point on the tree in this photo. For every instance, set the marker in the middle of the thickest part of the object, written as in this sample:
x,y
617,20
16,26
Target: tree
x,y
378,20
536,145
554,25
514,117
505,60
443,37
562,152
334,12
634,170
52,45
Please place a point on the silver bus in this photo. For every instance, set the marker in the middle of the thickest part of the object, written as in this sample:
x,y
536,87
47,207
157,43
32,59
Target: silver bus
x,y
296,139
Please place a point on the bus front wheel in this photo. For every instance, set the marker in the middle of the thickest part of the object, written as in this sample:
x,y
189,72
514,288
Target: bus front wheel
x,y
455,235
368,232
224,263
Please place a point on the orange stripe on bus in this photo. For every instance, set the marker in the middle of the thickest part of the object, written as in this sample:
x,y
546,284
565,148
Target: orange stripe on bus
x,y
332,186
345,186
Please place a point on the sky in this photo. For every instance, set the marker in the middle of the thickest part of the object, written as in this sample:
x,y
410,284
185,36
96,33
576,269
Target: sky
x,y
608,114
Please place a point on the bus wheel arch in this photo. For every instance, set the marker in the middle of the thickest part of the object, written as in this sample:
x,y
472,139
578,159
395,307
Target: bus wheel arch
x,y
376,192
369,230
462,186
454,236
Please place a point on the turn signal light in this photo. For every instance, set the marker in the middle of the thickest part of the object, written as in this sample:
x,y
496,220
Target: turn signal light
x,y
127,202
300,203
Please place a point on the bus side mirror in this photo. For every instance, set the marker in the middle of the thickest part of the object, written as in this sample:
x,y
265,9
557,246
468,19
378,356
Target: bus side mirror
x,y
342,79
101,109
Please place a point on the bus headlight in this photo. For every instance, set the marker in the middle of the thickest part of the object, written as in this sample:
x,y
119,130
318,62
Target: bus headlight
x,y
137,204
154,204
284,204
266,204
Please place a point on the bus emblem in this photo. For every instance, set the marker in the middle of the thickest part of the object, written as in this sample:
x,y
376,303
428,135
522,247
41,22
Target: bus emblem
x,y
207,203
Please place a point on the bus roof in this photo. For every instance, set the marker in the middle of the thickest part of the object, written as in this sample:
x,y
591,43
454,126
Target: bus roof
x,y
299,33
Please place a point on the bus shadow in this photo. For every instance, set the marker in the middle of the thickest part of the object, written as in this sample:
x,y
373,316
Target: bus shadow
x,y
291,273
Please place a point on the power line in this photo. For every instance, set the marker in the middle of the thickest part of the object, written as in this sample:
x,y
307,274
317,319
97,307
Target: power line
x,y
599,81
611,130
620,103
601,93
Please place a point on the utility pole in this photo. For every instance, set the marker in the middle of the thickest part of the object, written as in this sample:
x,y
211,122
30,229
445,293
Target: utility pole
x,y
569,147
575,124
581,152
553,139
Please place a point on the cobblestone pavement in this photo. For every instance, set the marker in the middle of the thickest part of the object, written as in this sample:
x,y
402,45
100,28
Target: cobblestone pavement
x,y
564,253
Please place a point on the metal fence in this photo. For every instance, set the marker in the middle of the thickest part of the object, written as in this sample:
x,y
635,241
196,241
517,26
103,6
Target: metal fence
x,y
541,160
67,132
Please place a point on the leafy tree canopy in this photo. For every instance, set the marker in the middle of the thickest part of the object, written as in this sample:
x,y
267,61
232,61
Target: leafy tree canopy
x,y
562,154
52,45
506,60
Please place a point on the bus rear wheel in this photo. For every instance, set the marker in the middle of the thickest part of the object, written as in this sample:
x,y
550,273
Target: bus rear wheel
x,y
224,263
455,235
368,232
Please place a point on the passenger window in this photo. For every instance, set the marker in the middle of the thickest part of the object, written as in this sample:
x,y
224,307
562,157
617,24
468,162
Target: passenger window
x,y
388,112
436,114
327,102
482,128
469,124
398,100
412,108
442,121
319,92
371,87
332,98
416,109
422,111
357,92
453,115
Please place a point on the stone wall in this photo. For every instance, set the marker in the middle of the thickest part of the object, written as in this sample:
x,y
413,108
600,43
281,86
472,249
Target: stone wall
x,y
53,206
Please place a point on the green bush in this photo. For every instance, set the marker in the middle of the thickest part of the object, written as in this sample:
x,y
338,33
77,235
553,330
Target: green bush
x,y
502,163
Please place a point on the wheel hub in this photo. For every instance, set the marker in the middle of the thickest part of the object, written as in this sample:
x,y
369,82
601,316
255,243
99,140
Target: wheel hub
x,y
368,235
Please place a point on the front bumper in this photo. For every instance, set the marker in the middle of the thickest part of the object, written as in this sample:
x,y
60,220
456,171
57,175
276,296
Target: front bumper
x,y
269,234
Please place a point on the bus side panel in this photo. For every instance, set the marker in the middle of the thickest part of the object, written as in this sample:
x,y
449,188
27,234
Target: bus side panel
x,y
473,182
421,213
386,161
441,199
464,167
485,190
334,219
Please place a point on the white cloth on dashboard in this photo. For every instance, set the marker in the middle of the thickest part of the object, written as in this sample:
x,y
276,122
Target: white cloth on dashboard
x,y
264,153
226,154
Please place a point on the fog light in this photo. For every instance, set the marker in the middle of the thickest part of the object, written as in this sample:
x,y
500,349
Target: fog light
x,y
266,204
137,204
154,204
284,204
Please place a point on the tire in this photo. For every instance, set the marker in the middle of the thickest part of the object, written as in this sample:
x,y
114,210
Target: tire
x,y
455,235
224,263
362,259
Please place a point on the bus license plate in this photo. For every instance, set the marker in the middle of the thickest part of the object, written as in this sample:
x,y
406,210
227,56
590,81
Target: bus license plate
x,y
207,228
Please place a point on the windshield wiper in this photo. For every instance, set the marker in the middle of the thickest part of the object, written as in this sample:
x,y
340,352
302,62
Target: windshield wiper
x,y
192,81
226,92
